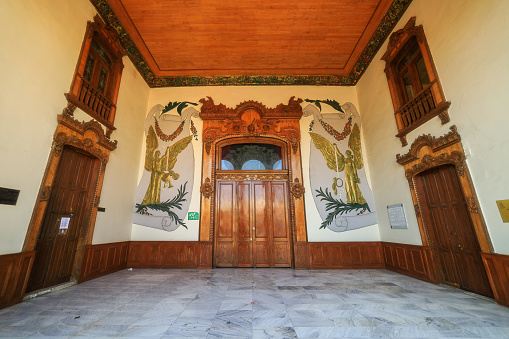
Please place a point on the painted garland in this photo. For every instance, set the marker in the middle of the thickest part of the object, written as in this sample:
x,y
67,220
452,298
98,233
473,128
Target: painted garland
x,y
170,137
332,131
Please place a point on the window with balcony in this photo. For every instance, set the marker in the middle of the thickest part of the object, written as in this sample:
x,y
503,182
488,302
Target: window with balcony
x,y
415,88
95,84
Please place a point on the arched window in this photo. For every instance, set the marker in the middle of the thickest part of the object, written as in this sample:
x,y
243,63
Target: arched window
x,y
251,156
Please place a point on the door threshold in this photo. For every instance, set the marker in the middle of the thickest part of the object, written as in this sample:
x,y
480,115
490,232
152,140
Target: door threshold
x,y
47,290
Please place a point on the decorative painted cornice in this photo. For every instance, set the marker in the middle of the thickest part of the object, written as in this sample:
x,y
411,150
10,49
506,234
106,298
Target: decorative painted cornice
x,y
386,25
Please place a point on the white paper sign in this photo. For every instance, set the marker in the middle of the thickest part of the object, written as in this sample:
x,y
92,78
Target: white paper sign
x,y
397,216
64,223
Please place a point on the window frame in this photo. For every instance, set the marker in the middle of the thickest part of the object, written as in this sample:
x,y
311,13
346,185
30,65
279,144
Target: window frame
x,y
428,101
84,94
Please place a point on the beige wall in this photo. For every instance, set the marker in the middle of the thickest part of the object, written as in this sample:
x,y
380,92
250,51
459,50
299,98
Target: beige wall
x,y
41,41
468,43
270,96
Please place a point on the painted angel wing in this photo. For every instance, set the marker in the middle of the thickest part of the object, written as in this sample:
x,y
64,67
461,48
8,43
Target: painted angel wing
x,y
175,149
152,145
328,152
355,145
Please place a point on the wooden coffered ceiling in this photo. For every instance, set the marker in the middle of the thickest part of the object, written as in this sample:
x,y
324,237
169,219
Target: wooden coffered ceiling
x,y
244,42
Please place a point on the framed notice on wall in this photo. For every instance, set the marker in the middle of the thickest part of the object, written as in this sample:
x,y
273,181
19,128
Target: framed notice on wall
x,y
397,216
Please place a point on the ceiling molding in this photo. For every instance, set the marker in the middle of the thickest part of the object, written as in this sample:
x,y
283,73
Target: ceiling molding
x,y
384,28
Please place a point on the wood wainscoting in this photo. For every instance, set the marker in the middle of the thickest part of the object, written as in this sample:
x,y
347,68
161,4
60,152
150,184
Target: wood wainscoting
x,y
325,255
102,259
497,267
170,254
14,273
412,260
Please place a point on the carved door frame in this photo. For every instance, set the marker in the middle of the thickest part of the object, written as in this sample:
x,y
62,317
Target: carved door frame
x,y
428,152
89,138
280,126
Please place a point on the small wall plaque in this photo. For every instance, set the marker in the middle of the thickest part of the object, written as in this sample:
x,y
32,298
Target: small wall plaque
x,y
503,208
193,216
8,196
397,216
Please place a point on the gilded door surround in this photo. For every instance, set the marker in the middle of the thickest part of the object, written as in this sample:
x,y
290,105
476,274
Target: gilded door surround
x,y
87,137
428,152
252,121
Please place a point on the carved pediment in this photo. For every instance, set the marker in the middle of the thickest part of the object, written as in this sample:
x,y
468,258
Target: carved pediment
x,y
427,140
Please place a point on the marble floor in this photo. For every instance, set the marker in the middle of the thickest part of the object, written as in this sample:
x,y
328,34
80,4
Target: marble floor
x,y
256,303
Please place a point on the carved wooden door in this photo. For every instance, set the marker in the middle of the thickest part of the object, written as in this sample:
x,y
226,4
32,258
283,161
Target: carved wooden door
x,y
451,230
58,241
252,224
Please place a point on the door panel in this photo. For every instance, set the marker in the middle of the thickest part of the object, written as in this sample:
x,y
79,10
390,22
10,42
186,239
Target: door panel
x,y
224,225
261,225
258,232
71,196
243,223
452,233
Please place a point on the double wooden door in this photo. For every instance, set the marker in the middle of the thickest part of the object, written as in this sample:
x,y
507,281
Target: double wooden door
x,y
252,224
63,225
452,234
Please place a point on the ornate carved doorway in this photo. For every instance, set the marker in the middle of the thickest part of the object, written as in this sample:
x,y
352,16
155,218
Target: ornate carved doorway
x,y
65,219
447,211
451,231
252,223
252,209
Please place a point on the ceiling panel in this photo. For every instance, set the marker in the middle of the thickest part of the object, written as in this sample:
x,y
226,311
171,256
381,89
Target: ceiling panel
x,y
197,38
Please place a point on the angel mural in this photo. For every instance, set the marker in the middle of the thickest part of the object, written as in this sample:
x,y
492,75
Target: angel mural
x,y
350,164
342,195
162,197
161,167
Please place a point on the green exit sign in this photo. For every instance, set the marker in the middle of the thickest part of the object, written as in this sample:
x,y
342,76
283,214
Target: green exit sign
x,y
193,216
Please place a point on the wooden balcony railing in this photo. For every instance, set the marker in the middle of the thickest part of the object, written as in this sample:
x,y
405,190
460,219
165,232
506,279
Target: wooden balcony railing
x,y
93,102
420,105
420,109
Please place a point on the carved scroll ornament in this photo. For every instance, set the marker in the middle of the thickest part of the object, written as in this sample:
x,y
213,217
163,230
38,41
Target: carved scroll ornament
x,y
282,121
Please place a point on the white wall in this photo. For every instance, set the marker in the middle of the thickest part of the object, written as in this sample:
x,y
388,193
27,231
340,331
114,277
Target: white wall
x,y
468,41
270,96
41,41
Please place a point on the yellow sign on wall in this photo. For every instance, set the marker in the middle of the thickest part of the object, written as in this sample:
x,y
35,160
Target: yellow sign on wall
x,y
503,207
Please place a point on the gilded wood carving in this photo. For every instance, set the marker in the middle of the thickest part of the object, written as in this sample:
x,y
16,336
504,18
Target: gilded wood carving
x,y
279,121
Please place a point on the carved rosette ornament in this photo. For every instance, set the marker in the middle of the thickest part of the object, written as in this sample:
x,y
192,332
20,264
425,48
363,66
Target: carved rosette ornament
x,y
472,205
45,193
206,189
297,189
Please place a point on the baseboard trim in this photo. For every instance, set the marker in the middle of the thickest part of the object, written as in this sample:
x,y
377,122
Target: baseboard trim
x,y
102,259
14,273
497,268
412,260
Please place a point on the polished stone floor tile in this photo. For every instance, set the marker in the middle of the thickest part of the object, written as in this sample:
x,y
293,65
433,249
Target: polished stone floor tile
x,y
256,303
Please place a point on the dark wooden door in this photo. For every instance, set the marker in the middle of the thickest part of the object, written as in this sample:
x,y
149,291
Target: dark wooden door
x,y
252,224
71,197
451,230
